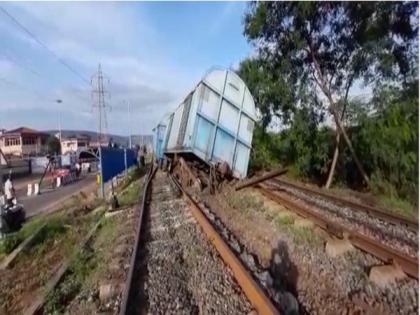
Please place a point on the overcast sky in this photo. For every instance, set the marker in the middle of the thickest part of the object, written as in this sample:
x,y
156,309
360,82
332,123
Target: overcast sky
x,y
152,53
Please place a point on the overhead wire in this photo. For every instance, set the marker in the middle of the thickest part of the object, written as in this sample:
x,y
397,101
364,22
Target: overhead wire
x,y
29,69
19,64
58,58
21,86
35,38
40,95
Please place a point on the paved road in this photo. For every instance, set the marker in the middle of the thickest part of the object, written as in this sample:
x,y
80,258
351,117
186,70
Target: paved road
x,y
22,182
52,199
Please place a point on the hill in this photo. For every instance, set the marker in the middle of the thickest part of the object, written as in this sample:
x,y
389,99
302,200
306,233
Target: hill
x,y
120,140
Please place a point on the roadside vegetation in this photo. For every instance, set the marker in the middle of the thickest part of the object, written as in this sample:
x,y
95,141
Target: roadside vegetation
x,y
89,266
60,238
251,203
88,263
304,79
11,241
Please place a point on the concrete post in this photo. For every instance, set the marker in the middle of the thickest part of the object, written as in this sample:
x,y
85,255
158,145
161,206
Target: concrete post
x,y
36,189
29,190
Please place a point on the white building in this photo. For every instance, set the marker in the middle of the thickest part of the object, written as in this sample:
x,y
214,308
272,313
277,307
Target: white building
x,y
74,144
23,142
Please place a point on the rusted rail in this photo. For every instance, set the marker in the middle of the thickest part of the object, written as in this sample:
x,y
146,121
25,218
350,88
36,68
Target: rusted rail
x,y
127,287
408,264
254,293
376,212
260,179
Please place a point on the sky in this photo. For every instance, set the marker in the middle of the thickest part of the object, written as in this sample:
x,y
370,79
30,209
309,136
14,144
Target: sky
x,y
152,53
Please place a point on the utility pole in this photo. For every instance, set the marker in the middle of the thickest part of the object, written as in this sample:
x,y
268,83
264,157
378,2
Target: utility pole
x,y
98,98
59,121
129,124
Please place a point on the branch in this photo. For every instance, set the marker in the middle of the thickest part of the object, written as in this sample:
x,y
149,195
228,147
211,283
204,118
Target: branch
x,y
321,80
316,79
349,83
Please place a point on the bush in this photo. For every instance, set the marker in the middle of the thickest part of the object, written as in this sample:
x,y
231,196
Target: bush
x,y
384,134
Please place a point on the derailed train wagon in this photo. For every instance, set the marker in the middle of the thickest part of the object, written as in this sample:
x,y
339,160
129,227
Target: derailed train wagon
x,y
159,133
215,122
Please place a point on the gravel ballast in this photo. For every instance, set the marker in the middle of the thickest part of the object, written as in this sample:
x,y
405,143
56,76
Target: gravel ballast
x,y
180,271
322,284
395,236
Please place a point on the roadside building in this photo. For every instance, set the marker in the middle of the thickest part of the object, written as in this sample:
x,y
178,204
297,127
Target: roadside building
x,y
74,144
23,142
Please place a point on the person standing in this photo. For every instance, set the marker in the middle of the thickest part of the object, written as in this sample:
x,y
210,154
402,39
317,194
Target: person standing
x,y
78,169
141,154
9,191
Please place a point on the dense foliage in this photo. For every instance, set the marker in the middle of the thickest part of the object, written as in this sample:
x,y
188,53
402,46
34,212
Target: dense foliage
x,y
386,140
309,56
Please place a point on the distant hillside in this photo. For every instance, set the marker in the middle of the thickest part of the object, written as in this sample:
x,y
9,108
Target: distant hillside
x,y
121,140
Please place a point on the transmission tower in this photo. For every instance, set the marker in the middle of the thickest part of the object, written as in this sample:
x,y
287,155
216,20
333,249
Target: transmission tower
x,y
98,103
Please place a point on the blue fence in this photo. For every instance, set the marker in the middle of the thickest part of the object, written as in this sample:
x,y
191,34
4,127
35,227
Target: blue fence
x,y
114,161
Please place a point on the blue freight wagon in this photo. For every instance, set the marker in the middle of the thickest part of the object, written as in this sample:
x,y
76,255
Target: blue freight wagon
x,y
159,139
215,122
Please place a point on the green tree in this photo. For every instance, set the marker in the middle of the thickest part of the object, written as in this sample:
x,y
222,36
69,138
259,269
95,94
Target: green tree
x,y
327,46
53,145
388,140
270,88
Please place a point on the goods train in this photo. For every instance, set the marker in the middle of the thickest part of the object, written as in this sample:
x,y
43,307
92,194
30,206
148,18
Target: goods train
x,y
213,124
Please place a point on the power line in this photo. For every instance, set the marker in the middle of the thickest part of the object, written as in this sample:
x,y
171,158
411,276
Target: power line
x,y
40,95
32,35
19,64
24,66
20,86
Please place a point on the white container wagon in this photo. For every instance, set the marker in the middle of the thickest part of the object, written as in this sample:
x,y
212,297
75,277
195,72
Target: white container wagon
x,y
215,122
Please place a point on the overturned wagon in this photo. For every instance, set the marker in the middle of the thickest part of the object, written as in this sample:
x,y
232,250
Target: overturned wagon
x,y
214,123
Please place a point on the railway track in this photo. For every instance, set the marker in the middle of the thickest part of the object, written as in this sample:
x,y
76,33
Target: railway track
x,y
391,234
180,264
384,215
359,225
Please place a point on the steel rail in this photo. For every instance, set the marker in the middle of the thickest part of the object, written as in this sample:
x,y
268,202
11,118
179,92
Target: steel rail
x,y
408,264
128,281
252,290
373,211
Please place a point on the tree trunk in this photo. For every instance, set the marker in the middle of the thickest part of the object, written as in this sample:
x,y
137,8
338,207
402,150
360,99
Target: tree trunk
x,y
348,142
334,161
324,87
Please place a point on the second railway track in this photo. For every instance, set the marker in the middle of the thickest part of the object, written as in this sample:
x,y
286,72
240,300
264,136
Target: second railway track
x,y
394,231
175,269
336,225
384,215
